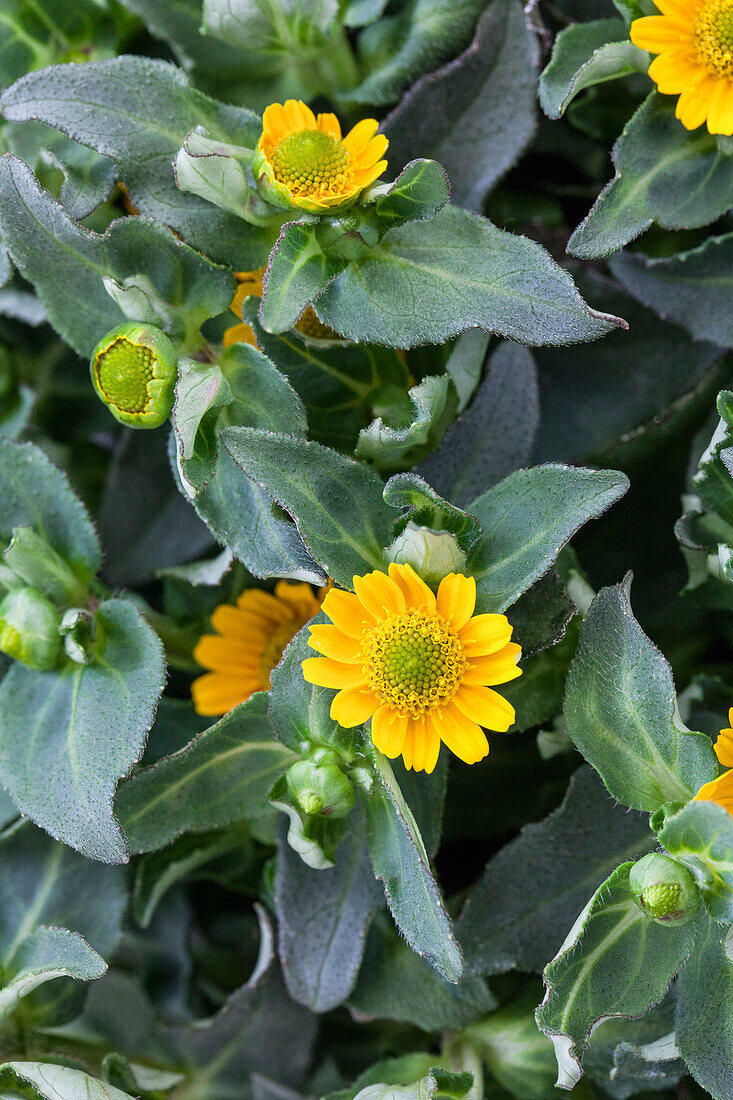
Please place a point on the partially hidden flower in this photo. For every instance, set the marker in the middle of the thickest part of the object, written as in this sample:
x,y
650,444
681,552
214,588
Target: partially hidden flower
x,y
134,370
251,283
694,43
418,664
303,161
248,642
720,790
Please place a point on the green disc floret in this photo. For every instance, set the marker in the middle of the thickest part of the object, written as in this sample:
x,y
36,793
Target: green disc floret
x,y
134,371
664,890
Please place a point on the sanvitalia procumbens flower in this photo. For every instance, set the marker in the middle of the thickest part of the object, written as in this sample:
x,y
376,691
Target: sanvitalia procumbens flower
x,y
694,43
249,641
720,790
303,161
134,370
418,664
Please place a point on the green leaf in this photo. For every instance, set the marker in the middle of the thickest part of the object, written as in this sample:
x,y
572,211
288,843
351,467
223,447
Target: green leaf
x,y
299,710
665,174
54,1082
45,954
515,1052
620,710
705,1011
323,918
297,271
144,523
389,448
477,114
494,436
396,984
67,264
424,35
438,1084
552,502
49,890
100,104
200,387
35,494
692,288
399,859
221,173
239,513
88,177
33,560
465,363
418,193
338,385
463,272
615,962
223,775
273,26
36,34
701,836
423,507
89,724
634,383
336,502
519,911
585,54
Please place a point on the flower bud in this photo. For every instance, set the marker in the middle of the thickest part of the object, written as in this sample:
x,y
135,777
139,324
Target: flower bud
x,y
134,370
664,890
29,628
432,554
320,788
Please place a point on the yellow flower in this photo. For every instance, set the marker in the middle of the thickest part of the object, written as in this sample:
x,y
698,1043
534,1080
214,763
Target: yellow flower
x,y
694,41
417,664
249,642
251,283
302,159
720,790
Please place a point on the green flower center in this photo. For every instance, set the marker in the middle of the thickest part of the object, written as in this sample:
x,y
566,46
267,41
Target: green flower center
x,y
714,36
415,662
124,371
661,899
312,162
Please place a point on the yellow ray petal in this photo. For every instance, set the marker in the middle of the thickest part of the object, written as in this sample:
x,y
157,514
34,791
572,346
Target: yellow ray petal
x,y
360,135
216,693
484,706
724,748
720,790
331,674
264,604
720,109
499,668
329,124
658,32
233,621
379,594
346,611
225,654
413,587
456,599
388,731
464,738
331,642
352,706
484,634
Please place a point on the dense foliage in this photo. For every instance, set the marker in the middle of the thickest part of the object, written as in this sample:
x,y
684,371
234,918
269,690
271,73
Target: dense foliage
x,y
469,400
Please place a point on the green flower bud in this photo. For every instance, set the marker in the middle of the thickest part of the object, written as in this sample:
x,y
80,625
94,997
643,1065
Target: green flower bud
x,y
134,371
320,788
432,554
664,890
29,628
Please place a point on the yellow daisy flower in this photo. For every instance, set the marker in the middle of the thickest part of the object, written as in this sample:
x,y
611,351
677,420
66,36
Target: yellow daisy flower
x,y
249,641
303,161
417,664
694,41
251,283
720,790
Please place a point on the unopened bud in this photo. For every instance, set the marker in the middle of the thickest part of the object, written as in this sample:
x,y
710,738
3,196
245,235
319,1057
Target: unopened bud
x,y
320,788
664,890
432,554
134,371
29,628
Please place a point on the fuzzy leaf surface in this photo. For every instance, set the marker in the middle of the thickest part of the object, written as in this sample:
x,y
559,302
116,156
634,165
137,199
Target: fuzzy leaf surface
x,y
701,836
705,1011
620,710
